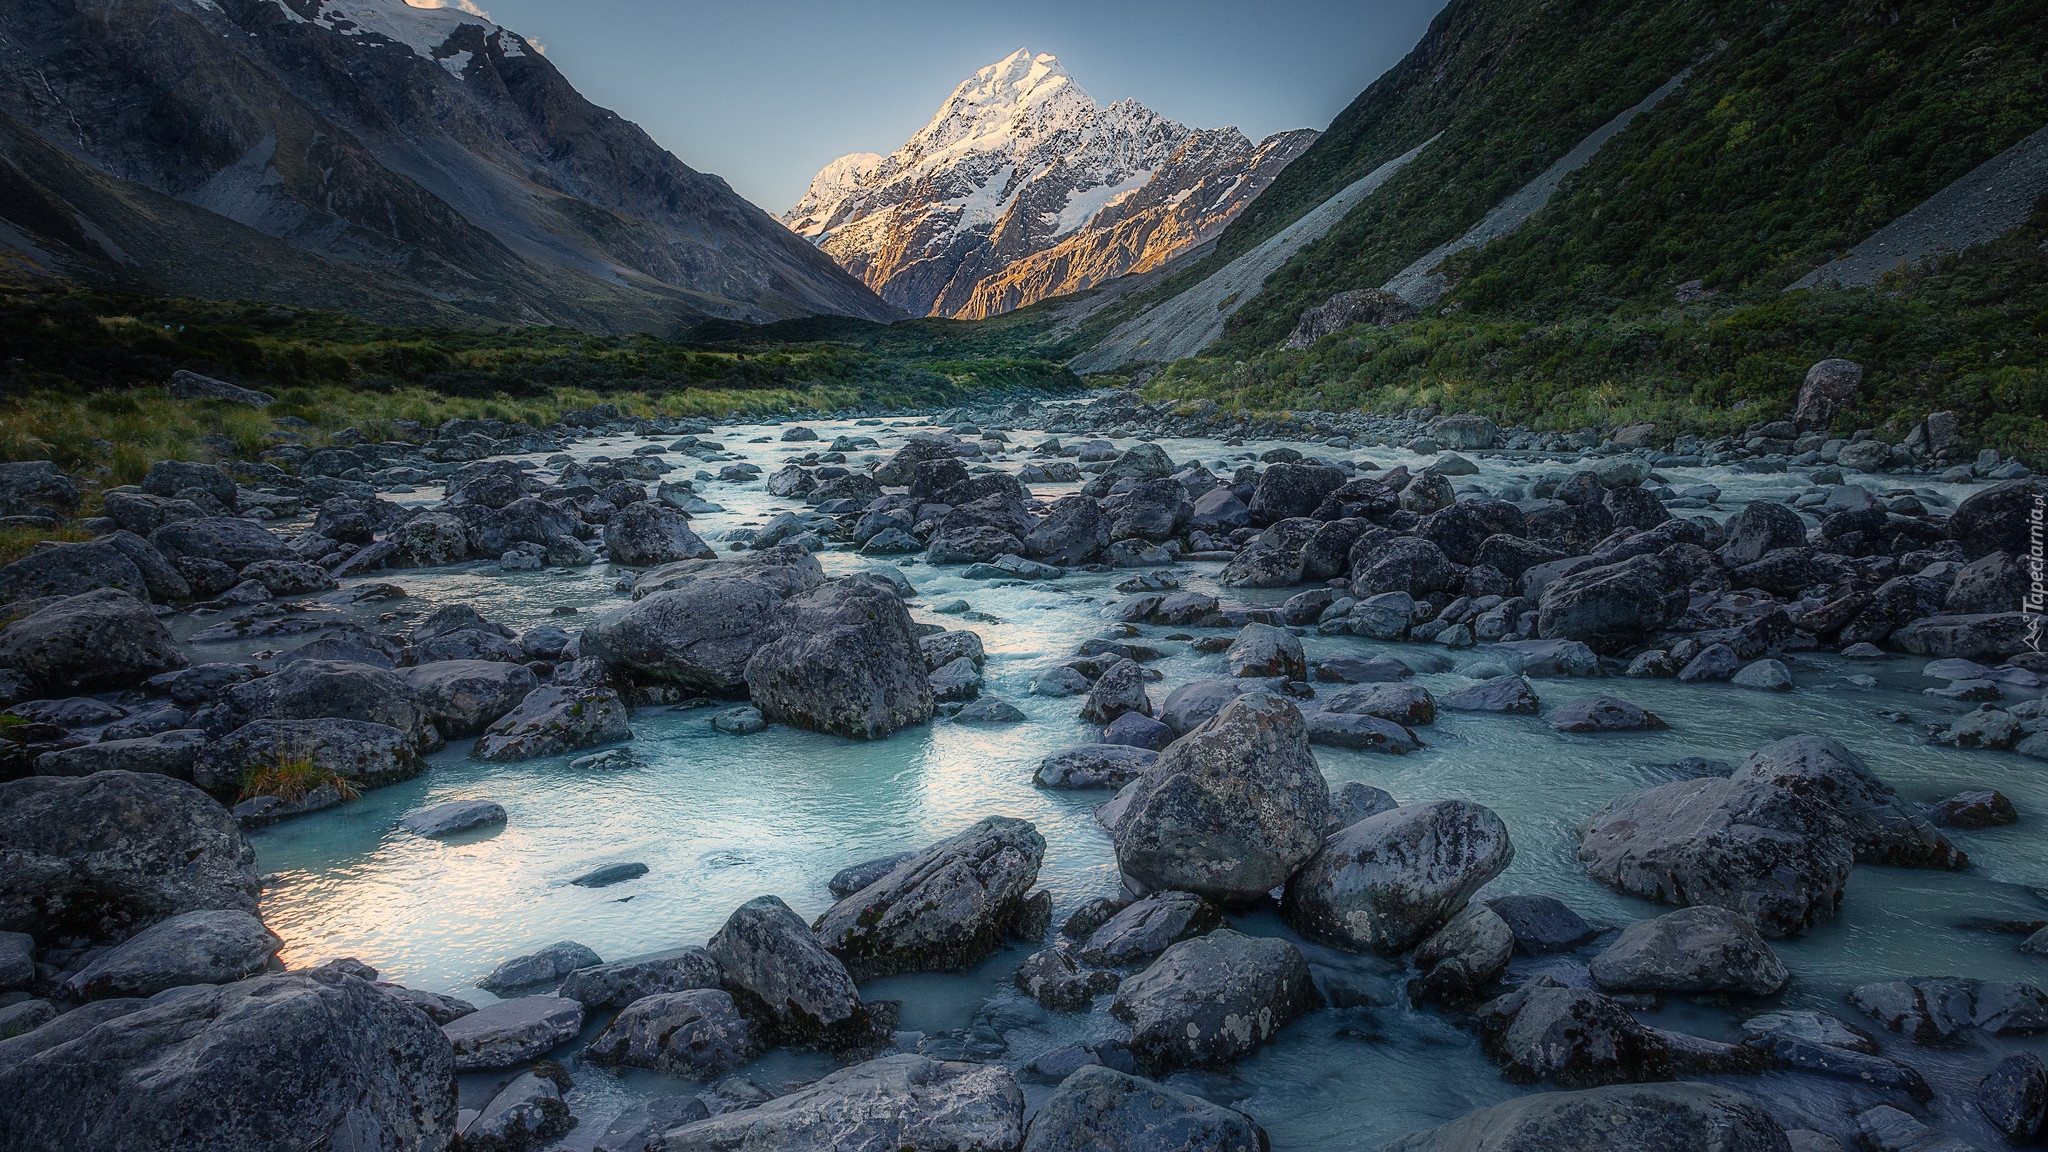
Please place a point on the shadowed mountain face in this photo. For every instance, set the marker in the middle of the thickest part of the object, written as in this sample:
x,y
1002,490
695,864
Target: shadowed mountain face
x,y
1022,188
431,163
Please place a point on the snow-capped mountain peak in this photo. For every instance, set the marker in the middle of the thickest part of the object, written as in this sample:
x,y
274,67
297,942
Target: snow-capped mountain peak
x,y
1020,159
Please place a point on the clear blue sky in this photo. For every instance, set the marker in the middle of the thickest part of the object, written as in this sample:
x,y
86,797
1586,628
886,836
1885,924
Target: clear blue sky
x,y
765,93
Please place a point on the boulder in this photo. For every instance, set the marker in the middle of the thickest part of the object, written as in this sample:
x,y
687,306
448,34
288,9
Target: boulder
x,y
1775,856
943,909
1361,733
1403,564
1998,519
1603,714
453,817
222,539
512,1032
1463,958
698,635
1053,979
1541,924
698,1034
1217,511
1389,881
555,719
96,641
622,982
525,1114
1147,927
1612,607
36,488
1829,385
846,662
1120,689
543,967
331,689
366,754
1262,650
1098,1108
899,1103
1880,825
1574,1037
292,1062
1692,951
1287,490
1505,694
172,753
767,952
211,946
1210,1001
1682,1117
1940,1009
1094,766
2014,1097
70,569
106,855
1410,705
1988,638
463,697
855,877
429,540
644,534
1229,810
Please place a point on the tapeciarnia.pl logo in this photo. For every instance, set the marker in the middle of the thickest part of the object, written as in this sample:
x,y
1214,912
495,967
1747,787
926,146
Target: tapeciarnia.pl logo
x,y
2036,602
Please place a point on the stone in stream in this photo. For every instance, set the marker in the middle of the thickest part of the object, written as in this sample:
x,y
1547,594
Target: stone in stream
x,y
644,534
697,636
945,908
1210,1001
1097,1108
463,697
1683,1117
2014,1097
1059,681
1262,650
1603,714
1193,703
1094,766
742,721
1229,810
901,1101
855,877
106,855
992,710
17,960
768,952
1769,675
1773,855
1137,730
1574,1037
1389,881
621,982
554,719
1354,802
1887,1129
606,875
1938,1009
1409,705
1540,659
1147,927
1697,950
366,754
1360,733
289,1062
1118,690
1504,694
1053,979
1361,670
213,946
847,662
95,641
221,539
543,967
512,1032
527,1113
1612,607
698,1033
1464,958
332,690
1542,924
172,753
1880,825
640,1127
452,817
957,679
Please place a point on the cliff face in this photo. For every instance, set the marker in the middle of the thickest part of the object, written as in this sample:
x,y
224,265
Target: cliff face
x,y
1022,187
414,152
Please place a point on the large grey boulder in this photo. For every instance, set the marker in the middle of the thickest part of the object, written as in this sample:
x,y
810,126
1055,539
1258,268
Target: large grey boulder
x,y
106,855
1262,650
1682,1117
1774,856
365,754
2014,1097
1762,527
332,689
543,967
453,817
1464,958
1940,1009
292,1062
1388,881
1698,950
1119,690
1097,1109
1074,531
1229,810
95,641
1882,827
769,953
212,946
698,1033
525,1114
555,719
172,753
1210,1001
36,488
512,1032
1051,977
222,539
1612,607
463,697
945,908
899,1103
1575,1037
1147,927
621,982
69,569
646,533
846,662
1093,766
697,635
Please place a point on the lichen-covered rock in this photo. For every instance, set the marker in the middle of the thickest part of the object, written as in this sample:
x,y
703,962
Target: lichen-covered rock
x,y
1262,650
1210,1001
621,982
463,697
366,754
1094,766
1698,950
1883,829
528,1113
331,689
698,634
512,1032
646,533
769,953
553,720
1388,881
1772,855
1612,607
69,570
1463,958
1147,927
210,946
1574,1037
222,539
1683,1117
1097,1109
899,1103
1053,979
1120,689
1229,810
846,661
945,908
106,855
698,1033
545,966
92,642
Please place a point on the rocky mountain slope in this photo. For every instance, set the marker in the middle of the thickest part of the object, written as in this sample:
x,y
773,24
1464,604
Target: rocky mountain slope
x,y
397,161
1022,188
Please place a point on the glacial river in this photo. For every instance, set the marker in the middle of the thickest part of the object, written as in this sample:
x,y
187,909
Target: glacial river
x,y
719,819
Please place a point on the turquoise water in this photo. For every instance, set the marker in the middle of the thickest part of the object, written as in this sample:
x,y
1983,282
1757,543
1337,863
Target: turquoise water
x,y
719,819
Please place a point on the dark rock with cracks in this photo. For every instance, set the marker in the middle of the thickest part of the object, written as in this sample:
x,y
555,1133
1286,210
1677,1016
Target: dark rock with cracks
x,y
1880,825
943,909
1573,1037
293,1062
1682,1117
1052,978
365,754
212,946
1147,927
645,534
1098,1108
768,953
555,719
697,1033
1211,1001
1693,951
621,982
898,1102
698,635
1541,924
1118,690
846,662
525,1114
1464,958
1389,881
512,1032
2014,1097
1094,766
96,641
463,697
543,967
